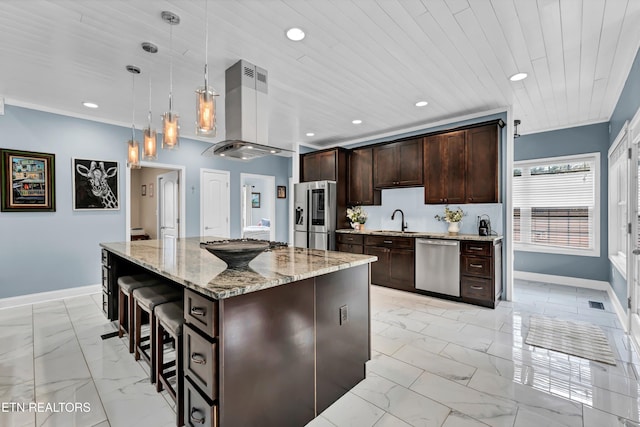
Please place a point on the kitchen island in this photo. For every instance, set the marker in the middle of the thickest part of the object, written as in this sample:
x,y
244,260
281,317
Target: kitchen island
x,y
283,340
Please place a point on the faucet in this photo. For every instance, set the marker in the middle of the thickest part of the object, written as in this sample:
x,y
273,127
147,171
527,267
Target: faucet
x,y
404,225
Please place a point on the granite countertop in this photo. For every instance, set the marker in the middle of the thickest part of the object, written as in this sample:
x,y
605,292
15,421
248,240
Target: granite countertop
x,y
197,269
423,235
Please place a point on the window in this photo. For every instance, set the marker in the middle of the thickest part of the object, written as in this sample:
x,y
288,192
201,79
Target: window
x,y
556,205
618,206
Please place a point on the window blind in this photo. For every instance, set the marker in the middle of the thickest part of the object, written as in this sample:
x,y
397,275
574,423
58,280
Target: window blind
x,y
554,202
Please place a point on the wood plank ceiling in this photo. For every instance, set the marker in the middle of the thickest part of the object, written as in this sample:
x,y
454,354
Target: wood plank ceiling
x,y
361,59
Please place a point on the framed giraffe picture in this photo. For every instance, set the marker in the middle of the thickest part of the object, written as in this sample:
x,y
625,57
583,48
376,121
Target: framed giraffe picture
x,y
28,181
95,185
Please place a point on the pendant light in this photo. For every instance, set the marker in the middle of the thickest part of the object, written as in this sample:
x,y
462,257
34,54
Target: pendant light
x,y
205,96
150,145
133,156
170,125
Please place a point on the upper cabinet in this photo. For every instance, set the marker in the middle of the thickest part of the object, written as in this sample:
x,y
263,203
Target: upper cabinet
x,y
361,191
398,164
462,166
319,166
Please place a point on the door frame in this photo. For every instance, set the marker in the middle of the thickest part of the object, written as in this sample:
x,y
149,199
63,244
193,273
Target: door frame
x,y
182,173
158,201
271,184
633,130
228,174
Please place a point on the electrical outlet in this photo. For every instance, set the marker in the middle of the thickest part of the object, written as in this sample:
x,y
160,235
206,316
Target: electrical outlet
x,y
344,314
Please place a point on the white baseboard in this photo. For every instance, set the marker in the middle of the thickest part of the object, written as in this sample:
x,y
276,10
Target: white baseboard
x,y
579,283
562,280
49,296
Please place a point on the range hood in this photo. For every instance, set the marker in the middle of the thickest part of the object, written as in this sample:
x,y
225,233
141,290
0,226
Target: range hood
x,y
246,114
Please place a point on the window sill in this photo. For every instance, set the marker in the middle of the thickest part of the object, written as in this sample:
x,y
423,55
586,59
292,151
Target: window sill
x,y
556,250
620,263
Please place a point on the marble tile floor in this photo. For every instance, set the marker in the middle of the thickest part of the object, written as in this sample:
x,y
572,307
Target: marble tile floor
x,y
434,363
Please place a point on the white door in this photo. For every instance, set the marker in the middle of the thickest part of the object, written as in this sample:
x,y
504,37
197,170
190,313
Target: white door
x,y
633,272
168,206
215,203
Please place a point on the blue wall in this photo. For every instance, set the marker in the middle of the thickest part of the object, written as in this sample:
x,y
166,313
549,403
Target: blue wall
x,y
626,108
42,251
564,142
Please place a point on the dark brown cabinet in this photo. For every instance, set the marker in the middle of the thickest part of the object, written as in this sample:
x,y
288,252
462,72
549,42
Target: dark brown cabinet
x,y
395,265
481,273
346,242
361,191
462,166
398,164
329,165
444,168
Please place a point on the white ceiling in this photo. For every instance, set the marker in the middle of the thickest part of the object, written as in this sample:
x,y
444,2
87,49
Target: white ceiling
x,y
364,59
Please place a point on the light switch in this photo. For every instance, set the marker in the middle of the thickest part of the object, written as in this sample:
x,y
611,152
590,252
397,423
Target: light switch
x,y
344,314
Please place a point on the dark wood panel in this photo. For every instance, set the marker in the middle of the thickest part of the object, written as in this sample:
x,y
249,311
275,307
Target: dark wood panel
x,y
477,288
200,362
319,166
482,165
354,239
361,190
409,163
201,312
435,188
390,241
454,158
342,346
347,247
384,166
402,269
380,268
476,266
197,411
277,367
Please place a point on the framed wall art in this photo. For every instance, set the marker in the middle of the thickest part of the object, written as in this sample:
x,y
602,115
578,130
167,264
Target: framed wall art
x,y
28,181
144,190
95,185
255,200
282,192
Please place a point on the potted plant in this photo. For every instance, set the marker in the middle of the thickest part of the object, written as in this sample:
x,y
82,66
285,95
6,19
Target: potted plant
x,y
357,216
453,217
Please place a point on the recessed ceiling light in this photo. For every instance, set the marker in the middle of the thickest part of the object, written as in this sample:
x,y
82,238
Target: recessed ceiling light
x,y
518,76
356,121
250,147
90,104
273,151
310,134
421,103
222,155
295,34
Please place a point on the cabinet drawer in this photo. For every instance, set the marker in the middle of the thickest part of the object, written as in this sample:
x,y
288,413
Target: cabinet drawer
x,y
197,411
476,266
354,249
476,248
477,288
354,239
105,257
201,362
201,313
388,241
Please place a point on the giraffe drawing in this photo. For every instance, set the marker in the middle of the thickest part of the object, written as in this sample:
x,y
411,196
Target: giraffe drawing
x,y
97,177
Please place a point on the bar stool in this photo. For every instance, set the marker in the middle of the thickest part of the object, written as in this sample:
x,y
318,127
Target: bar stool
x,y
126,285
169,320
146,299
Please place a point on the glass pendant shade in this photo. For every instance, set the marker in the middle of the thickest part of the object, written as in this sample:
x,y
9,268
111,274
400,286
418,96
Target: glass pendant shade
x,y
150,149
133,158
170,137
206,111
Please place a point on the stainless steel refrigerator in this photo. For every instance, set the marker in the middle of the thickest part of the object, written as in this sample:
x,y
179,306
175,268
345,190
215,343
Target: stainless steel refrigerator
x,y
314,213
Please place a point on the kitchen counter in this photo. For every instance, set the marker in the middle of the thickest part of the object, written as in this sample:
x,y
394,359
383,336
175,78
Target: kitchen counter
x,y
195,268
423,235
295,324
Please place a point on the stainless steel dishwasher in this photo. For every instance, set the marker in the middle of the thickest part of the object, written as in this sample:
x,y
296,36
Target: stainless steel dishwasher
x,y
438,266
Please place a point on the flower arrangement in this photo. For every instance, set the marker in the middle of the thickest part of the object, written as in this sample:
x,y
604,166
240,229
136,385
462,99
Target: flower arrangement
x,y
357,215
451,216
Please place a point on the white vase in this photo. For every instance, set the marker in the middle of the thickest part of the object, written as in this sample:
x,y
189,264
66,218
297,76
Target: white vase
x,y
454,227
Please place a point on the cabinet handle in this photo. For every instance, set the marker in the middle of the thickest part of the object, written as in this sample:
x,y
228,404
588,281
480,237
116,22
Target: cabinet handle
x,y
471,199
387,241
198,359
446,200
198,311
476,265
477,287
194,418
475,248
350,238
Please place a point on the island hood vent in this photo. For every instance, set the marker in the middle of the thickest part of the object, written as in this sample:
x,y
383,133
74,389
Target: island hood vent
x,y
246,114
